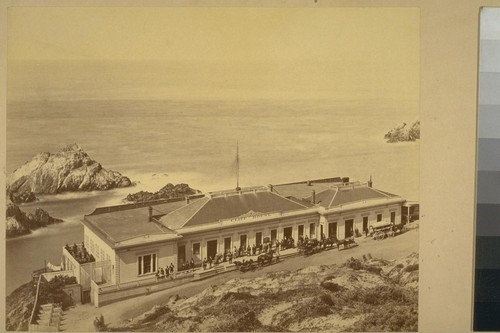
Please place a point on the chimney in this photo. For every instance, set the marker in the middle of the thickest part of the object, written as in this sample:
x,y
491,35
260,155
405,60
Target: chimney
x,y
308,183
187,200
370,183
271,187
313,197
150,209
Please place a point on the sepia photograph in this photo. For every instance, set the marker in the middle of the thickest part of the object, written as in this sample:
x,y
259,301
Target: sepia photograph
x,y
212,169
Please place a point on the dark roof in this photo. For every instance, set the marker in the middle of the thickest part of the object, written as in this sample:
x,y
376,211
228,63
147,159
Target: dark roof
x,y
228,205
119,225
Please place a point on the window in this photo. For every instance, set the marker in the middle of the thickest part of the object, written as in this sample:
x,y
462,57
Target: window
x,y
301,231
393,217
379,217
196,249
146,264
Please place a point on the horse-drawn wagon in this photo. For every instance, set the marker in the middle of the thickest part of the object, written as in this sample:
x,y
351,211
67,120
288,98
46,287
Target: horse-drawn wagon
x,y
381,230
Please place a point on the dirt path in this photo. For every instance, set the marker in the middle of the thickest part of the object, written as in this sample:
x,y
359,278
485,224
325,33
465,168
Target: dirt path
x,y
80,318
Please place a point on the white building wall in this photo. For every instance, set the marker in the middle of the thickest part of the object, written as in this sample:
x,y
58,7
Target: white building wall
x,y
357,217
250,231
100,250
166,253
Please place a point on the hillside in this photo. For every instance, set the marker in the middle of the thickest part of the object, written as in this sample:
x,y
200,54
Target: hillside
x,y
70,169
361,295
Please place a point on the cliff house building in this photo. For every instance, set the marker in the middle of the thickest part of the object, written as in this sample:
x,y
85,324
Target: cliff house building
x,y
131,242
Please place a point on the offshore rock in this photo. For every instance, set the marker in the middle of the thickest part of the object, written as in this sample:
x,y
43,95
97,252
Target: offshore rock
x,y
168,191
404,133
71,169
21,223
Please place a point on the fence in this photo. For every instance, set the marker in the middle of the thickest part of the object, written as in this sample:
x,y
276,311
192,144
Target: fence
x,y
101,295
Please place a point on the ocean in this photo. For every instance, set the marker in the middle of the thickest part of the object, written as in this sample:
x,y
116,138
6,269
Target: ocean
x,y
154,142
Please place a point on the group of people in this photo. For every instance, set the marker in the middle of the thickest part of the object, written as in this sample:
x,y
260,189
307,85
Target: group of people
x,y
166,272
285,243
186,266
82,256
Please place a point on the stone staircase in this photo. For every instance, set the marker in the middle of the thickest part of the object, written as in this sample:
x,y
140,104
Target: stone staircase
x,y
50,315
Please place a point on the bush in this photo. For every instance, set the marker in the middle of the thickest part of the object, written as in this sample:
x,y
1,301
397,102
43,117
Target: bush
x,y
52,291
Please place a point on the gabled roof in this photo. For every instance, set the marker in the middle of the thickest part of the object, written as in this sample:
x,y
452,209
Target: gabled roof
x,y
228,205
304,189
342,195
119,225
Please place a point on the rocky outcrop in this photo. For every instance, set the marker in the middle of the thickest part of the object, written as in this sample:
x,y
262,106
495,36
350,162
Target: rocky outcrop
x,y
404,133
71,169
355,296
21,223
169,191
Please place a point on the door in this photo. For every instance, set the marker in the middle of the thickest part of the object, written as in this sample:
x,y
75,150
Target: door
x,y
332,229
181,255
227,244
196,253
393,217
312,230
365,223
287,232
243,241
258,238
301,231
274,233
211,249
349,228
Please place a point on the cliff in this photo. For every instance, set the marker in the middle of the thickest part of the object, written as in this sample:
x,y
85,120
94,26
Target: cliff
x,y
169,191
71,169
362,295
404,133
19,305
20,223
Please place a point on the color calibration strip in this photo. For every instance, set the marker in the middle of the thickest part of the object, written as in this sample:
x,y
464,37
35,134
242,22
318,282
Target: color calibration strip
x,y
487,257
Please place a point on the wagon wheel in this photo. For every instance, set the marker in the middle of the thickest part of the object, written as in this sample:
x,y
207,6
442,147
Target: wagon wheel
x,y
379,235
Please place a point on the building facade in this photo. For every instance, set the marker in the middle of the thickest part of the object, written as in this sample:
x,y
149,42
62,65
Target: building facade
x,y
137,240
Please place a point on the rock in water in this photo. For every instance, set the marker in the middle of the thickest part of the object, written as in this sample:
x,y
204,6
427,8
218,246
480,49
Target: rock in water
x,y
404,133
20,223
71,169
168,191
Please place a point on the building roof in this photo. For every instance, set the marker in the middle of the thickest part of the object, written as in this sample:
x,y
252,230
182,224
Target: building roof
x,y
332,192
301,190
119,225
226,205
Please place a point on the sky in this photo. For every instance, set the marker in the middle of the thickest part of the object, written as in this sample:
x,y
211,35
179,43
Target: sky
x,y
67,52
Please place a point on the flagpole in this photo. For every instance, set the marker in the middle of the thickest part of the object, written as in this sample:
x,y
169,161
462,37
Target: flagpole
x,y
237,167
